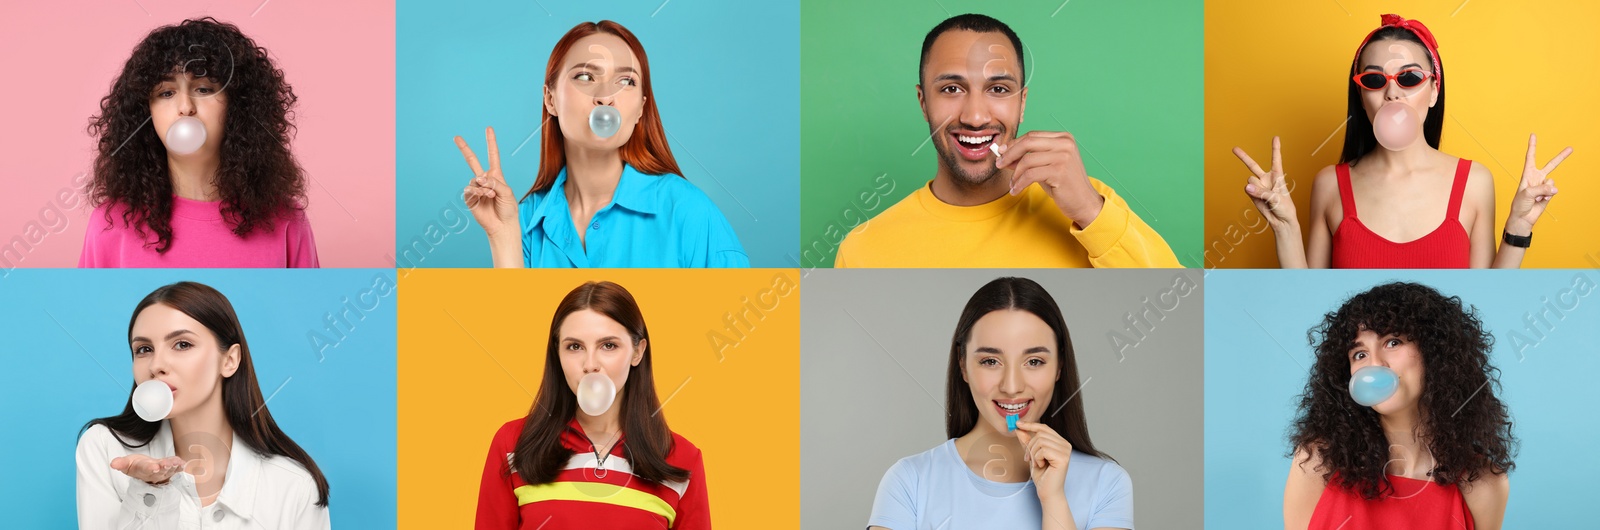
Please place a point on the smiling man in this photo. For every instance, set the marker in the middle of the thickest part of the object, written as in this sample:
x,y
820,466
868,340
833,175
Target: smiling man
x,y
983,207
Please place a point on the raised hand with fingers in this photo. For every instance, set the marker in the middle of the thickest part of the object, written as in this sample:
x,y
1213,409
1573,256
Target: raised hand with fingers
x,y
491,200
1534,191
1269,190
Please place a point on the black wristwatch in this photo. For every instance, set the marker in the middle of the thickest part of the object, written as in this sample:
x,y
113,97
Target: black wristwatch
x,y
1517,241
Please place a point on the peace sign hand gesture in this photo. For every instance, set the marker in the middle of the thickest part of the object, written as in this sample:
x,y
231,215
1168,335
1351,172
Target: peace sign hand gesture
x,y
491,200
1533,192
1269,190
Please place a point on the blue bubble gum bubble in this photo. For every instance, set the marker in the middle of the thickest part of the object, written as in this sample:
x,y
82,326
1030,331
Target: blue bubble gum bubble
x,y
605,120
1373,384
1011,422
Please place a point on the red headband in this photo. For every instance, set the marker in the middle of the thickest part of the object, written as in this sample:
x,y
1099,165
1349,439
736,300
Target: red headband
x,y
1416,28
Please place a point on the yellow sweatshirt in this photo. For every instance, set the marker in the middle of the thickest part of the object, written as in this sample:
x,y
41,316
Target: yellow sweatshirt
x,y
1026,230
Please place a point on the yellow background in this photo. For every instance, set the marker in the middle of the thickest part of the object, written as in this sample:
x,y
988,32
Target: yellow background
x,y
471,357
1510,68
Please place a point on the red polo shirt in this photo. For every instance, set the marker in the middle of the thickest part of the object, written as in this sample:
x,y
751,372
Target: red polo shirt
x,y
588,495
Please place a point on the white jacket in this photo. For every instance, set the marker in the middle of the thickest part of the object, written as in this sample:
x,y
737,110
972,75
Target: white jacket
x,y
257,492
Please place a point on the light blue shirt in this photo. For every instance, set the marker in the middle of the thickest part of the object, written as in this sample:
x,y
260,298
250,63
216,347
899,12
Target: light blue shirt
x,y
654,221
935,490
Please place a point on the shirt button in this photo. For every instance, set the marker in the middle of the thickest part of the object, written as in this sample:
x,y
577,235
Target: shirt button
x,y
149,499
595,226
216,516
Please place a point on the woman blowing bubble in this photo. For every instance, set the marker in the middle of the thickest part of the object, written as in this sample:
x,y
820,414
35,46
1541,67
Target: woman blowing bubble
x,y
594,451
193,167
1425,444
1418,207
214,456
608,192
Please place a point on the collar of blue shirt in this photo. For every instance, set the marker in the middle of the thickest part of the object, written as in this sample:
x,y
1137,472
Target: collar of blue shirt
x,y
630,194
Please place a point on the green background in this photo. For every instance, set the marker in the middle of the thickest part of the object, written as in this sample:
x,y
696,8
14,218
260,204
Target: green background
x,y
1125,78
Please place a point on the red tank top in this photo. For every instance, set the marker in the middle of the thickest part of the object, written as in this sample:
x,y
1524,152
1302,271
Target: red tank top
x,y
1446,247
1414,504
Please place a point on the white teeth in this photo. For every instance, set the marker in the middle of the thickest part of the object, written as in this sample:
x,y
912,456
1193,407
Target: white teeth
x,y
974,139
1012,406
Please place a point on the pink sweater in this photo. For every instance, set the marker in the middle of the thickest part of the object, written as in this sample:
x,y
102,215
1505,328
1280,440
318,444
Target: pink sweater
x,y
200,239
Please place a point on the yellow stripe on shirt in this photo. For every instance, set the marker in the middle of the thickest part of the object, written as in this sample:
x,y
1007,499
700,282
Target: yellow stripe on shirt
x,y
596,492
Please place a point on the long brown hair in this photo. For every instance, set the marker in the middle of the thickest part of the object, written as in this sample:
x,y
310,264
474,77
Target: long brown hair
x,y
242,403
539,455
1067,419
646,150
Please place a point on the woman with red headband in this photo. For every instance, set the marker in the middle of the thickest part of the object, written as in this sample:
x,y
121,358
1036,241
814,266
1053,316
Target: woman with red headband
x,y
1394,201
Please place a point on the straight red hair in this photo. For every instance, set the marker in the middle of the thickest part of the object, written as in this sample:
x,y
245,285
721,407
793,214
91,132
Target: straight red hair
x,y
646,150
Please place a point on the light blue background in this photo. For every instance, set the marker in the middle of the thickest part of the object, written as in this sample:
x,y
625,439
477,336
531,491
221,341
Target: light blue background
x,y
1257,362
726,77
67,362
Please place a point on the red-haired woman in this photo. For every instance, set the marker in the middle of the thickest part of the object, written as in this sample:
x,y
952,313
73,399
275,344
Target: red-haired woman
x,y
567,465
599,200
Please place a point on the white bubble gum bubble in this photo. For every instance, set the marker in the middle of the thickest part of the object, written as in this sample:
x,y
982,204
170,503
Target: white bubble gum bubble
x,y
596,392
152,400
186,135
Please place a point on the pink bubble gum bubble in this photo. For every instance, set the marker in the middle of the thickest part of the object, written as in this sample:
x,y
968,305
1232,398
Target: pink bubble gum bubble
x,y
1396,125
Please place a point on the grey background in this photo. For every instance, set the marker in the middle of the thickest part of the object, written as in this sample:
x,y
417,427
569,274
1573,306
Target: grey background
x,y
875,344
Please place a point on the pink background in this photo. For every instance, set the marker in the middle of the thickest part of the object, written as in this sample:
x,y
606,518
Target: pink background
x,y
61,57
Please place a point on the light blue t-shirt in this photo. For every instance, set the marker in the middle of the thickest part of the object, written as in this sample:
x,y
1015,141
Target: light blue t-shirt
x,y
654,221
935,490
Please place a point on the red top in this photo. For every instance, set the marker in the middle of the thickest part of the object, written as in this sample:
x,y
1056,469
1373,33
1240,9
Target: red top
x,y
590,494
1414,504
1446,247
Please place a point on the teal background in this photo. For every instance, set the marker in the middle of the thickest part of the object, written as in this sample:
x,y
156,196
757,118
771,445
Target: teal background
x,y
1123,77
725,76
66,351
1257,362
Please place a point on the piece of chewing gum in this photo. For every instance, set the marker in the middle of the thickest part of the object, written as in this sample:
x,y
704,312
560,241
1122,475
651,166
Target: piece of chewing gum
x,y
994,148
1011,422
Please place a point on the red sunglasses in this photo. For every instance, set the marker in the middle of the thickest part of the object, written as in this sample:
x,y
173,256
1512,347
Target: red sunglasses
x,y
1408,78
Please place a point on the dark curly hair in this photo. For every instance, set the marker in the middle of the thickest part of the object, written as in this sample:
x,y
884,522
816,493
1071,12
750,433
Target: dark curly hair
x,y
1346,436
258,178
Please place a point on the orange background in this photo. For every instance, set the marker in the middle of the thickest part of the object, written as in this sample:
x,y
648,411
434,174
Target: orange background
x,y
1511,68
471,357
